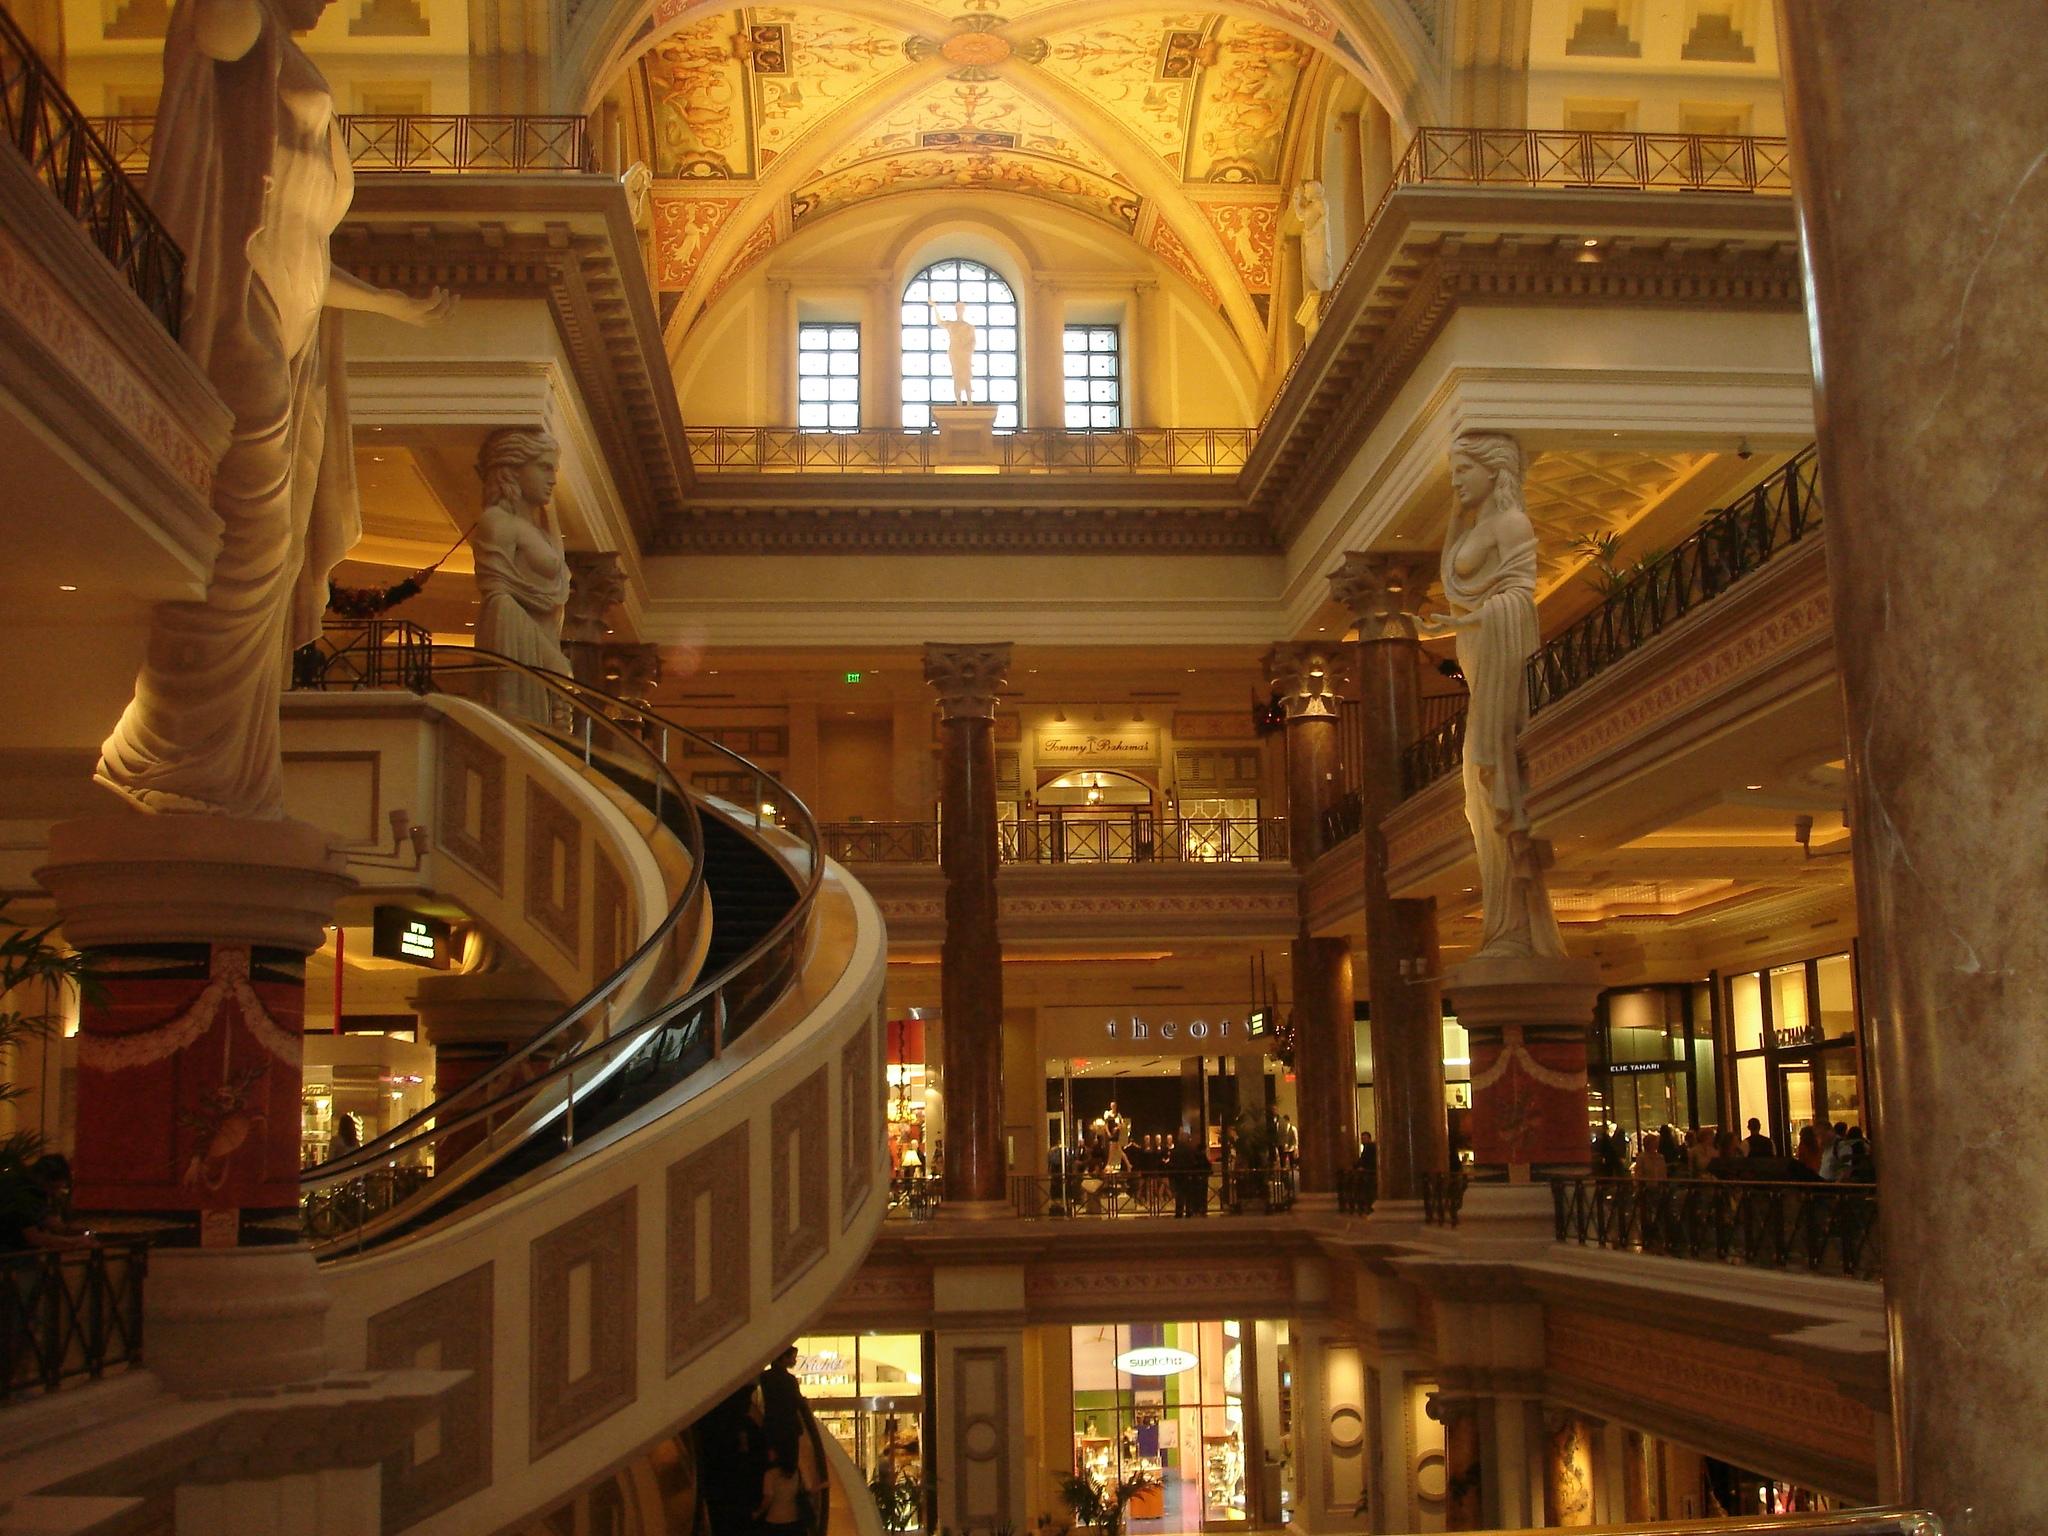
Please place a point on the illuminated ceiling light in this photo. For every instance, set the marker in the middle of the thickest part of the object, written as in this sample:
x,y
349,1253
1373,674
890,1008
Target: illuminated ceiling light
x,y
66,587
1752,786
1591,244
1059,716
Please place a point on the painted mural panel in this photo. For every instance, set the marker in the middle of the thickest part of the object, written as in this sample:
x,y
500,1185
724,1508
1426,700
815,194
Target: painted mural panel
x,y
1239,126
971,115
1168,246
819,61
1140,68
698,98
684,228
926,170
1249,232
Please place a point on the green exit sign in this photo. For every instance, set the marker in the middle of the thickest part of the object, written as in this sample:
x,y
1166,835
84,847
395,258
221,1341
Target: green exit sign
x,y
853,677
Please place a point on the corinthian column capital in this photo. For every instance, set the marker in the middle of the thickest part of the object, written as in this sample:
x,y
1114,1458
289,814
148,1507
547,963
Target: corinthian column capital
x,y
1304,674
1381,590
968,678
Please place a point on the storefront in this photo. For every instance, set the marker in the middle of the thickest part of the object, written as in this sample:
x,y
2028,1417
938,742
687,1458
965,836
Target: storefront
x,y
1171,1402
868,1393
1652,1060
1791,1036
913,1096
1457,1075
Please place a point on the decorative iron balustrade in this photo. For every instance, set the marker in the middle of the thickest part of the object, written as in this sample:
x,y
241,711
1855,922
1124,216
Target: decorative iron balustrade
x,y
475,143
1443,1197
1823,1228
1731,544
1165,1192
912,1197
60,147
69,1312
1039,451
1128,840
1358,1191
372,653
1562,157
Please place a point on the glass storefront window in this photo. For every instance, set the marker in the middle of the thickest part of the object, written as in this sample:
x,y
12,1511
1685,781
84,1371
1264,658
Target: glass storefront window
x,y
1788,1005
1183,1427
868,1393
1837,998
1844,1088
1797,1058
1746,1010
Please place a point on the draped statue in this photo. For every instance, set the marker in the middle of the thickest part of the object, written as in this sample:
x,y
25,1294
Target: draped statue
x,y
521,568
960,340
1489,582
250,176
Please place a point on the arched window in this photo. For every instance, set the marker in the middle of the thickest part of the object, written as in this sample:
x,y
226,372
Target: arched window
x,y
985,301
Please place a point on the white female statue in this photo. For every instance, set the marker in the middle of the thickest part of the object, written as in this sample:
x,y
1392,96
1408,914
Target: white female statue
x,y
1489,579
250,176
1317,263
521,569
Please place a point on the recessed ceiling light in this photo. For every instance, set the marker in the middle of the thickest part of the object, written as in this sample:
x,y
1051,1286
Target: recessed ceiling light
x,y
1591,243
376,458
1191,669
66,587
469,623
1752,786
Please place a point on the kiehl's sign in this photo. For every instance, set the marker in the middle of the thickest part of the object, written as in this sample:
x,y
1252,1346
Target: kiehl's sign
x,y
1062,746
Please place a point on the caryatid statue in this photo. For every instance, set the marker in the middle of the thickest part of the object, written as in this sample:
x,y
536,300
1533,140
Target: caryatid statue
x,y
1318,262
1489,582
250,175
960,339
521,567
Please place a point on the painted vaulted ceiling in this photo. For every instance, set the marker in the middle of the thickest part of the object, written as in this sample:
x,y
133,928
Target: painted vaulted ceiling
x,y
1175,127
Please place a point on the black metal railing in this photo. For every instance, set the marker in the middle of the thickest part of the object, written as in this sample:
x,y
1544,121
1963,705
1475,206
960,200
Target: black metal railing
x,y
375,653
1824,1228
57,141
1357,1191
68,1313
1730,544
1093,840
474,143
913,1197
1443,1197
1166,1192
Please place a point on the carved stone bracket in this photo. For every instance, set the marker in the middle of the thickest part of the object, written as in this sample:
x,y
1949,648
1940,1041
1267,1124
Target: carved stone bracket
x,y
968,678
1304,675
1382,591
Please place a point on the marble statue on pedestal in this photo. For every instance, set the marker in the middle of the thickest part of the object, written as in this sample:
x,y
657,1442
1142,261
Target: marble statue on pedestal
x,y
1318,263
250,176
1489,581
521,567
960,339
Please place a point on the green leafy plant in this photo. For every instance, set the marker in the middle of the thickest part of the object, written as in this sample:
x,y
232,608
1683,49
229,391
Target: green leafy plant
x,y
1096,1506
1602,554
35,975
899,1498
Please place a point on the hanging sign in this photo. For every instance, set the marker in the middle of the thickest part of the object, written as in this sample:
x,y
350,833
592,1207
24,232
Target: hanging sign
x,y
1065,744
398,933
1174,1029
1155,1360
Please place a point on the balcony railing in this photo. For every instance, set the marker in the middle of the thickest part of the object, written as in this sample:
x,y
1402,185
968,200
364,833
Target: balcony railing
x,y
1729,545
1037,451
67,1313
371,653
1553,157
1443,1197
57,141
476,143
1129,840
1824,1228
912,1197
1079,1196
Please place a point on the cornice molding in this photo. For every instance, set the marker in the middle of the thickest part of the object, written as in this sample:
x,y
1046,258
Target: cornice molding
x,y
938,520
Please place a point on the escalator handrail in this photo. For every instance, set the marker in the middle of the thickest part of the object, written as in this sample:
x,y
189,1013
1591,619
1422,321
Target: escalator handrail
x,y
416,1133
468,660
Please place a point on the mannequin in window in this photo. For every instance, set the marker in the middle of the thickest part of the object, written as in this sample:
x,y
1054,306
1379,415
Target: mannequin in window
x,y
960,339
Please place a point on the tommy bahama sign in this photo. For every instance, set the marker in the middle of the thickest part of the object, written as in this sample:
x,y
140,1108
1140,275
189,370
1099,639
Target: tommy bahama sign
x,y
1082,746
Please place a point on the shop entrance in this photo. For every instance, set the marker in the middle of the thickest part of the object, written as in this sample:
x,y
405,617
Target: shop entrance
x,y
1094,815
1173,1403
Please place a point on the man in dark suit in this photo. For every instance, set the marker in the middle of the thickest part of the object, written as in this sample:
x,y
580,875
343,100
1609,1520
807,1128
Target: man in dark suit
x,y
1758,1144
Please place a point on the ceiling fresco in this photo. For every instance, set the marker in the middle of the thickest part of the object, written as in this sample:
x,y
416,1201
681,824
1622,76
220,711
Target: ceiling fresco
x,y
758,121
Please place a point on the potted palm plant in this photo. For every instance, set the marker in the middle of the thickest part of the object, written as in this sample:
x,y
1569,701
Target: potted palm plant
x,y
1096,1507
32,970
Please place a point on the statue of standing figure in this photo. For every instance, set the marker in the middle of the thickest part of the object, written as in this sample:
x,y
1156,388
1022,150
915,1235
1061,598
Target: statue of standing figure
x,y
521,568
960,339
250,176
1318,262
1489,582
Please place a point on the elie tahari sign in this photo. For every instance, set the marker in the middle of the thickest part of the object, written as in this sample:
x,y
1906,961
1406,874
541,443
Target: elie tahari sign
x,y
1175,1029
1063,745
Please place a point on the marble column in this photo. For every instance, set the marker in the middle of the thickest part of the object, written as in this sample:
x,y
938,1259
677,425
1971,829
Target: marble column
x,y
968,678
1044,342
1917,135
189,1075
881,385
1402,964
597,584
1304,675
1567,1469
1638,1479
1146,362
474,1020
1463,1478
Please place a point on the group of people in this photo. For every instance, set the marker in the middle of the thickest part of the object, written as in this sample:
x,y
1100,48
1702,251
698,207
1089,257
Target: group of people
x,y
1837,1154
760,1463
1153,1161
35,1208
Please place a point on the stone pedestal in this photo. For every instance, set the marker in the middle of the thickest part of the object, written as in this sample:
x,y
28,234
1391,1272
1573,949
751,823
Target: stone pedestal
x,y
189,1074
1402,964
1527,1018
967,677
1304,676
967,435
1923,251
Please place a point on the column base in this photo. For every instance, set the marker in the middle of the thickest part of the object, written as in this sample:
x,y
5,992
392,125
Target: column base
x,y
234,1319
1528,1018
1317,1202
975,1210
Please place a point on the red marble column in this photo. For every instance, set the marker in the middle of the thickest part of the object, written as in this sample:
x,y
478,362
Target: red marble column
x,y
968,678
1402,965
1464,1482
1325,1061
1917,136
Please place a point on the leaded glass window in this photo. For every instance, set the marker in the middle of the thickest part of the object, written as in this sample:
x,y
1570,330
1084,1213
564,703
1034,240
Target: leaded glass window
x,y
828,378
966,290
1092,380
